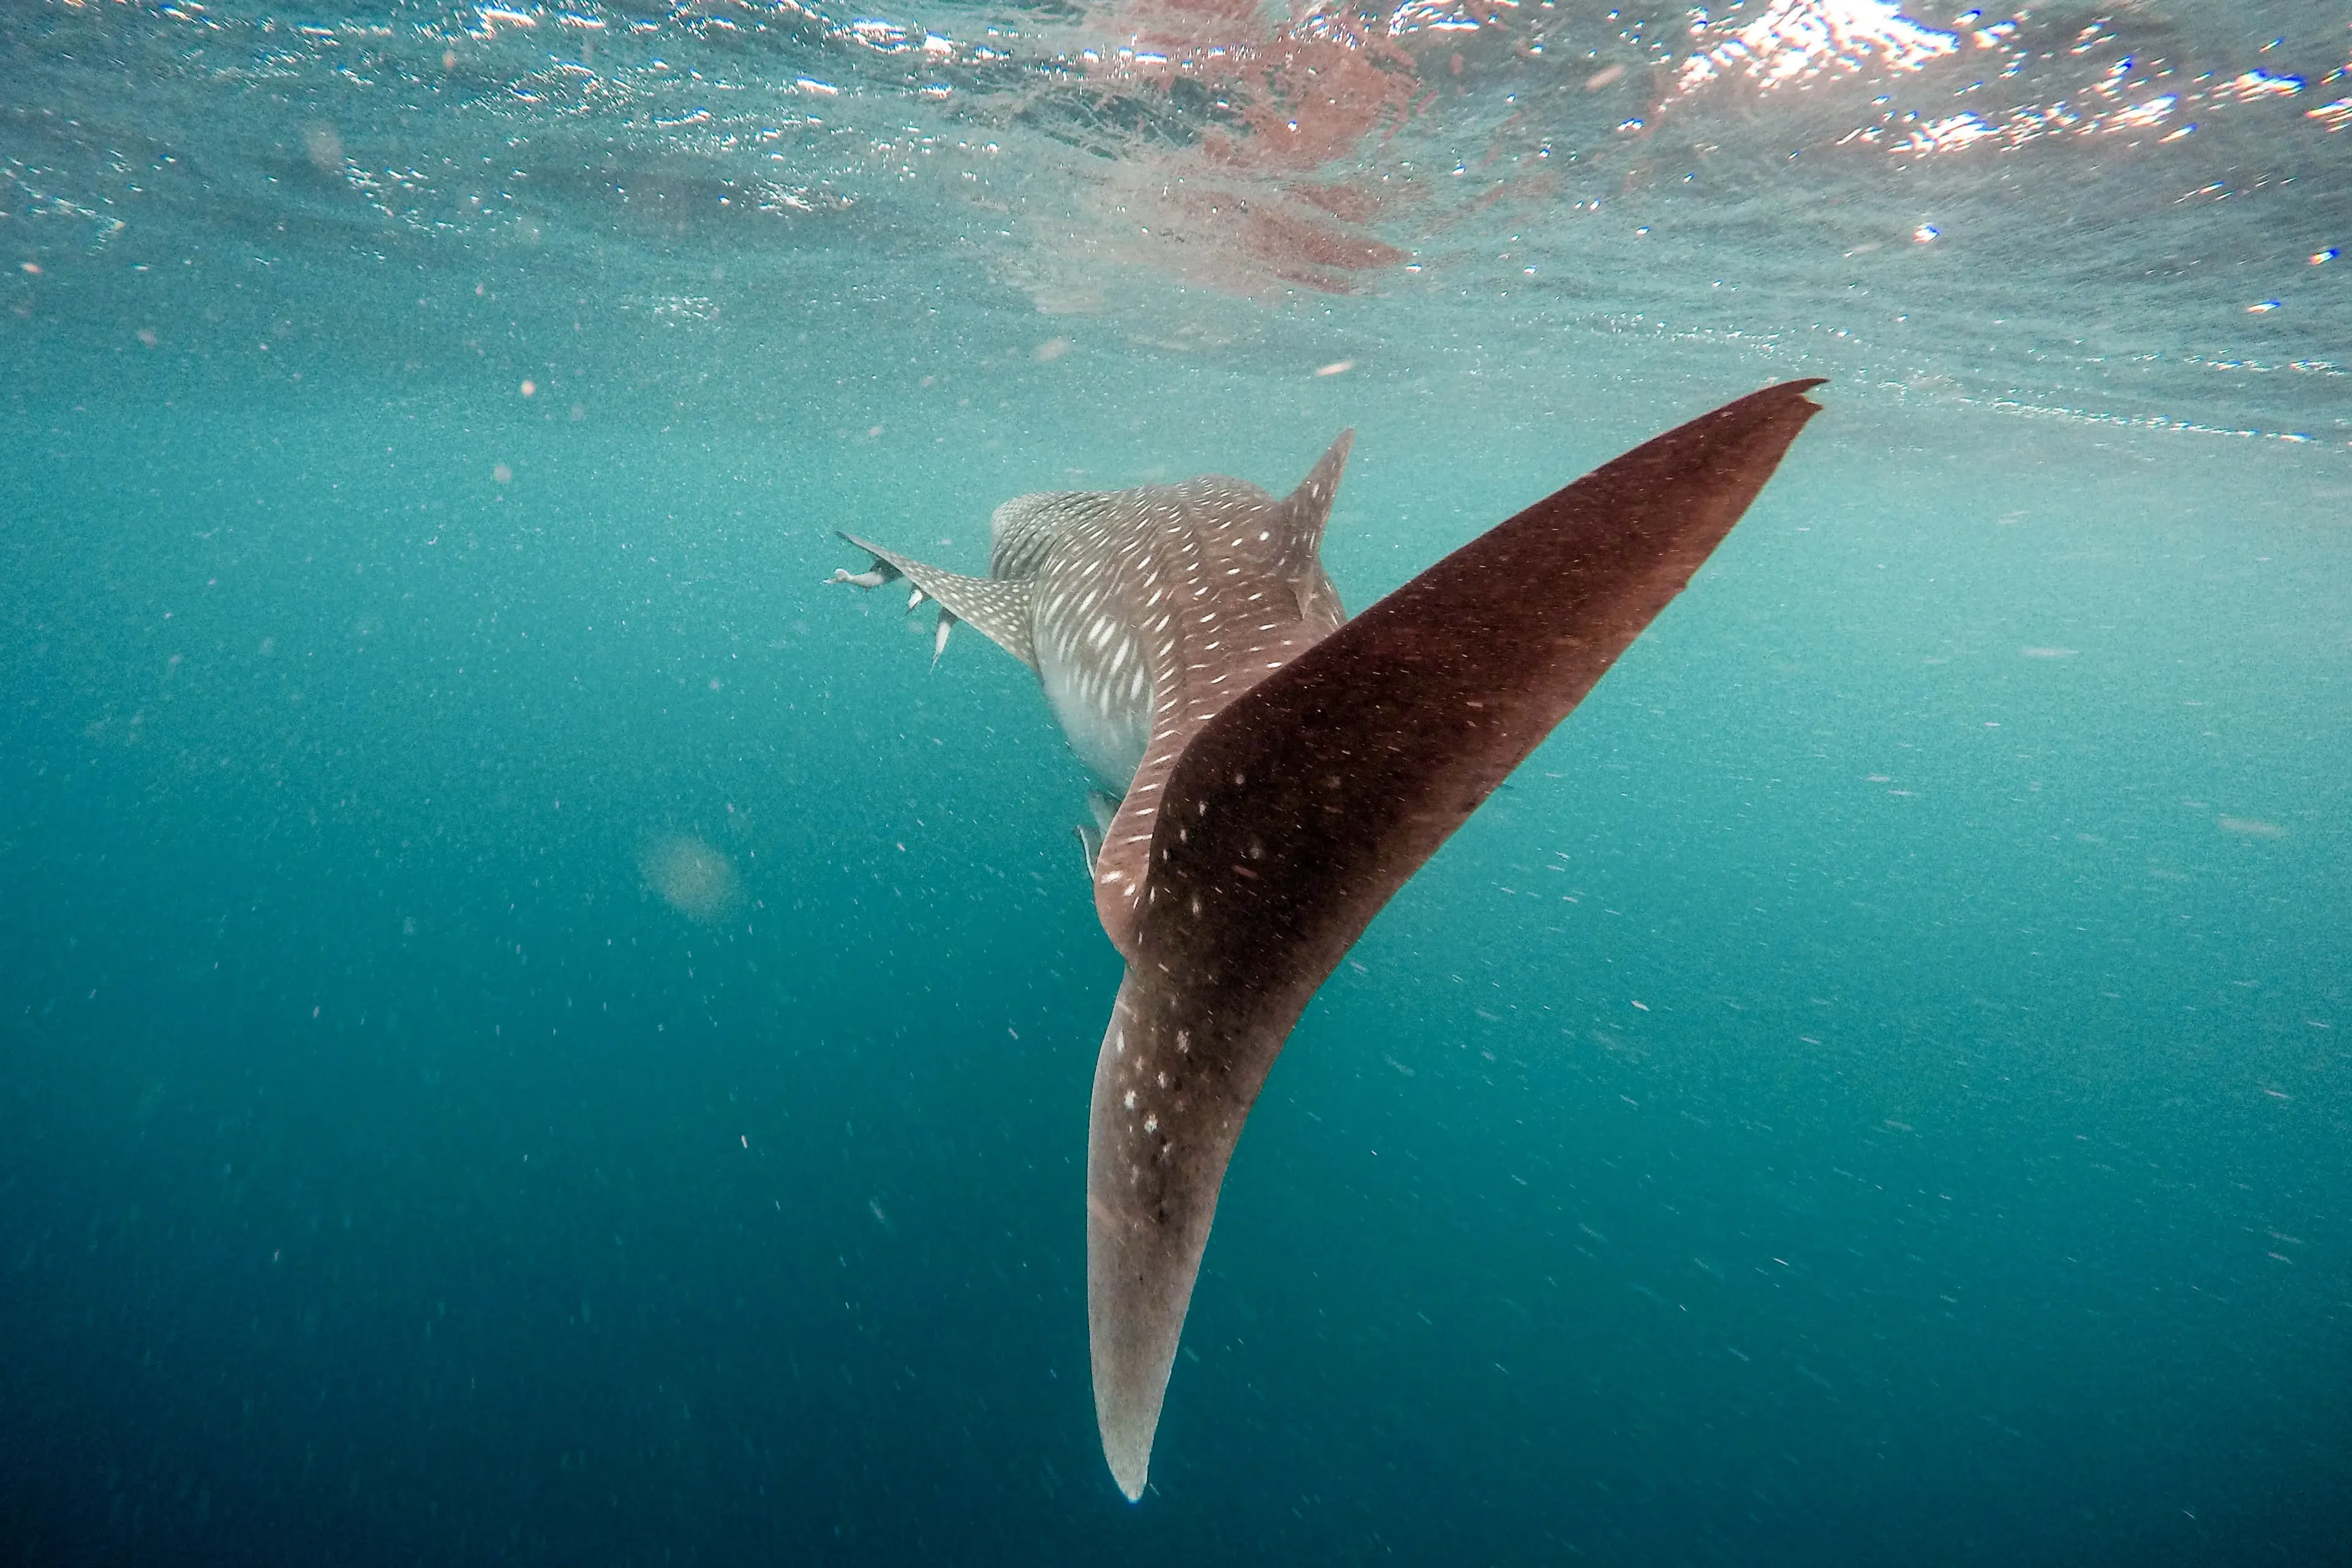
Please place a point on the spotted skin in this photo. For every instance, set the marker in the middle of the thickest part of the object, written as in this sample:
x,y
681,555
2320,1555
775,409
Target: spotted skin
x,y
1143,612
1291,773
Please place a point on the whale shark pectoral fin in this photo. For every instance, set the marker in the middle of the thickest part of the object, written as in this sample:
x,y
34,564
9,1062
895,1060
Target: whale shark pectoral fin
x,y
1293,815
1103,808
998,608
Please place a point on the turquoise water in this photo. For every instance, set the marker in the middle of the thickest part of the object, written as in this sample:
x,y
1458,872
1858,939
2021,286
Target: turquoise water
x,y
531,1030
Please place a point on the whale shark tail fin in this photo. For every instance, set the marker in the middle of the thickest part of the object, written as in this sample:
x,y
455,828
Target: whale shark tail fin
x,y
1290,817
998,609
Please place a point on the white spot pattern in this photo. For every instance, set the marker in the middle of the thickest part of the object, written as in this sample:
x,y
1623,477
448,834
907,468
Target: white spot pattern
x,y
1132,606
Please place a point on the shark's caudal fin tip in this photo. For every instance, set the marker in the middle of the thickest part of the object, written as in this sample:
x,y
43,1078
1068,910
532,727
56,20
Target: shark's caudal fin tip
x,y
1129,1389
1128,1451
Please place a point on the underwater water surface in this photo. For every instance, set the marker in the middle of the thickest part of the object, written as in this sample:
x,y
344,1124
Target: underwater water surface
x,y
532,1029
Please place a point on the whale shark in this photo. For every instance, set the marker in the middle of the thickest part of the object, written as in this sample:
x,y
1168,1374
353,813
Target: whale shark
x,y
1281,770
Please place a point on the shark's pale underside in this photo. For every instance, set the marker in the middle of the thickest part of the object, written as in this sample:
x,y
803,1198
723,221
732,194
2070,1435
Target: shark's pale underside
x,y
1284,770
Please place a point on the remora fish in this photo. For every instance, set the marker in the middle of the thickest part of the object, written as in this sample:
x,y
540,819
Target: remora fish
x,y
1285,770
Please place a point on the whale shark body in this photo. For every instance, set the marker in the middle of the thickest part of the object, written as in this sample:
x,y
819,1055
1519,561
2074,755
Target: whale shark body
x,y
1281,771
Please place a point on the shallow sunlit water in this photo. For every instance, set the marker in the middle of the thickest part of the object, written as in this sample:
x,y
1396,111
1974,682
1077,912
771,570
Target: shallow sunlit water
x,y
531,1029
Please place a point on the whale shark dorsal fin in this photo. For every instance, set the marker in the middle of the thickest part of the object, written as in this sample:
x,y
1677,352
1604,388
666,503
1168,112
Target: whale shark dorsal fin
x,y
1308,509
1292,815
997,608
1211,646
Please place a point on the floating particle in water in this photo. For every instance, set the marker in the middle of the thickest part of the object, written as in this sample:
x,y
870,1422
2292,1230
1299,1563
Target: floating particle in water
x,y
502,474
691,877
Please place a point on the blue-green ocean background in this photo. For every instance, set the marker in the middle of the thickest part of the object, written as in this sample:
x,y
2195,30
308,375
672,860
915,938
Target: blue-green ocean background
x,y
1871,1088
